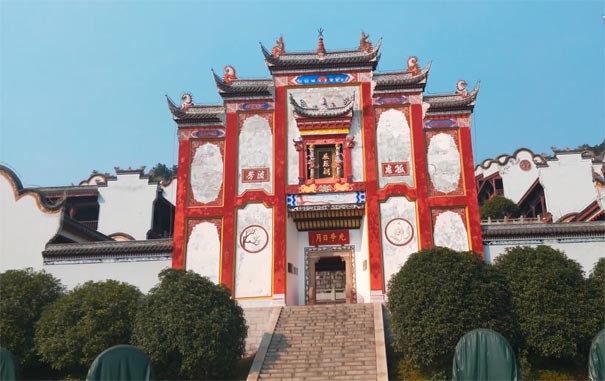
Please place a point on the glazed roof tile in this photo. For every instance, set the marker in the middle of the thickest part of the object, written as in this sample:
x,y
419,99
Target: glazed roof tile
x,y
404,79
452,102
542,230
244,87
310,60
108,248
208,114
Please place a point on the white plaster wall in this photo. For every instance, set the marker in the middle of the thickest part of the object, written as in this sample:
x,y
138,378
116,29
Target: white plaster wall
x,y
204,251
393,143
126,206
169,192
359,240
255,150
444,163
143,274
568,185
585,253
206,175
253,271
313,96
293,282
24,229
393,256
516,182
303,242
490,170
450,231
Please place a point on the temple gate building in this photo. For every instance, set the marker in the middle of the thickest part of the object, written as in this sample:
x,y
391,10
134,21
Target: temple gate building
x,y
314,186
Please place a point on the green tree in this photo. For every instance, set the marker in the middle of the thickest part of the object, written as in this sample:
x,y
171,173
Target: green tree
x,y
438,296
161,172
23,296
190,327
596,285
499,207
81,324
550,300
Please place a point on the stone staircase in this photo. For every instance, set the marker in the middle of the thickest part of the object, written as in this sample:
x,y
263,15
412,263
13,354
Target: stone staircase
x,y
323,342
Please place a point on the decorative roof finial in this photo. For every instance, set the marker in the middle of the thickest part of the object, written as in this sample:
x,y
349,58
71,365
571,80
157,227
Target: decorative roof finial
x,y
229,74
364,44
321,49
461,88
413,65
279,47
187,101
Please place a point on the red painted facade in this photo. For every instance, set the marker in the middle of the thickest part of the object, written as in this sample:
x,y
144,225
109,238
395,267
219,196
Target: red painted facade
x,y
403,91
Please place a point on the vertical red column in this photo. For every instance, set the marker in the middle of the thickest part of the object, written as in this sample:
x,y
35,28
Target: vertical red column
x,y
178,248
421,178
371,180
279,211
468,171
230,191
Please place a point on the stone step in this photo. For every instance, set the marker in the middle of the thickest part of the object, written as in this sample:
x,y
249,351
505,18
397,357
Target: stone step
x,y
322,342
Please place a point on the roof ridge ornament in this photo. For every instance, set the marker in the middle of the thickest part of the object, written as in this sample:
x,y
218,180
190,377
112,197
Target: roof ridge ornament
x,y
461,88
321,49
413,66
187,101
230,74
279,47
364,44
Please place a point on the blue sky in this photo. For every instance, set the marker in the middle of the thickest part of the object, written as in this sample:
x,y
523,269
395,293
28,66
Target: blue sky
x,y
82,83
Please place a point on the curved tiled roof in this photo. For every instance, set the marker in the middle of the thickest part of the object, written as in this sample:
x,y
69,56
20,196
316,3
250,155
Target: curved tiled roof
x,y
453,102
331,112
19,191
243,87
403,79
107,249
503,159
311,60
546,230
209,114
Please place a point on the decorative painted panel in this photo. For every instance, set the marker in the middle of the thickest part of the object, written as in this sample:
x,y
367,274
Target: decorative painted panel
x,y
255,153
204,248
207,170
399,234
444,164
394,146
254,251
449,228
315,96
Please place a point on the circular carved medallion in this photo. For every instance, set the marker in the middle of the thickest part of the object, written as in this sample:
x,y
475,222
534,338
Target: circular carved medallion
x,y
399,231
254,238
525,165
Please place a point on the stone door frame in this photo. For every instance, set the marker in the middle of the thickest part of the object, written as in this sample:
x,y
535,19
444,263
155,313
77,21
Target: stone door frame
x,y
314,254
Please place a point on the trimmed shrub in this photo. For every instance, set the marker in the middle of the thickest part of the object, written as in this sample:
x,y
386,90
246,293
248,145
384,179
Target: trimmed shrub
x,y
78,326
550,300
190,327
23,296
438,296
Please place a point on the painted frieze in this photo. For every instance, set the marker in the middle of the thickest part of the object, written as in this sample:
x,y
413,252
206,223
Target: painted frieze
x,y
204,248
444,165
449,228
394,147
206,177
318,96
255,154
399,233
254,251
